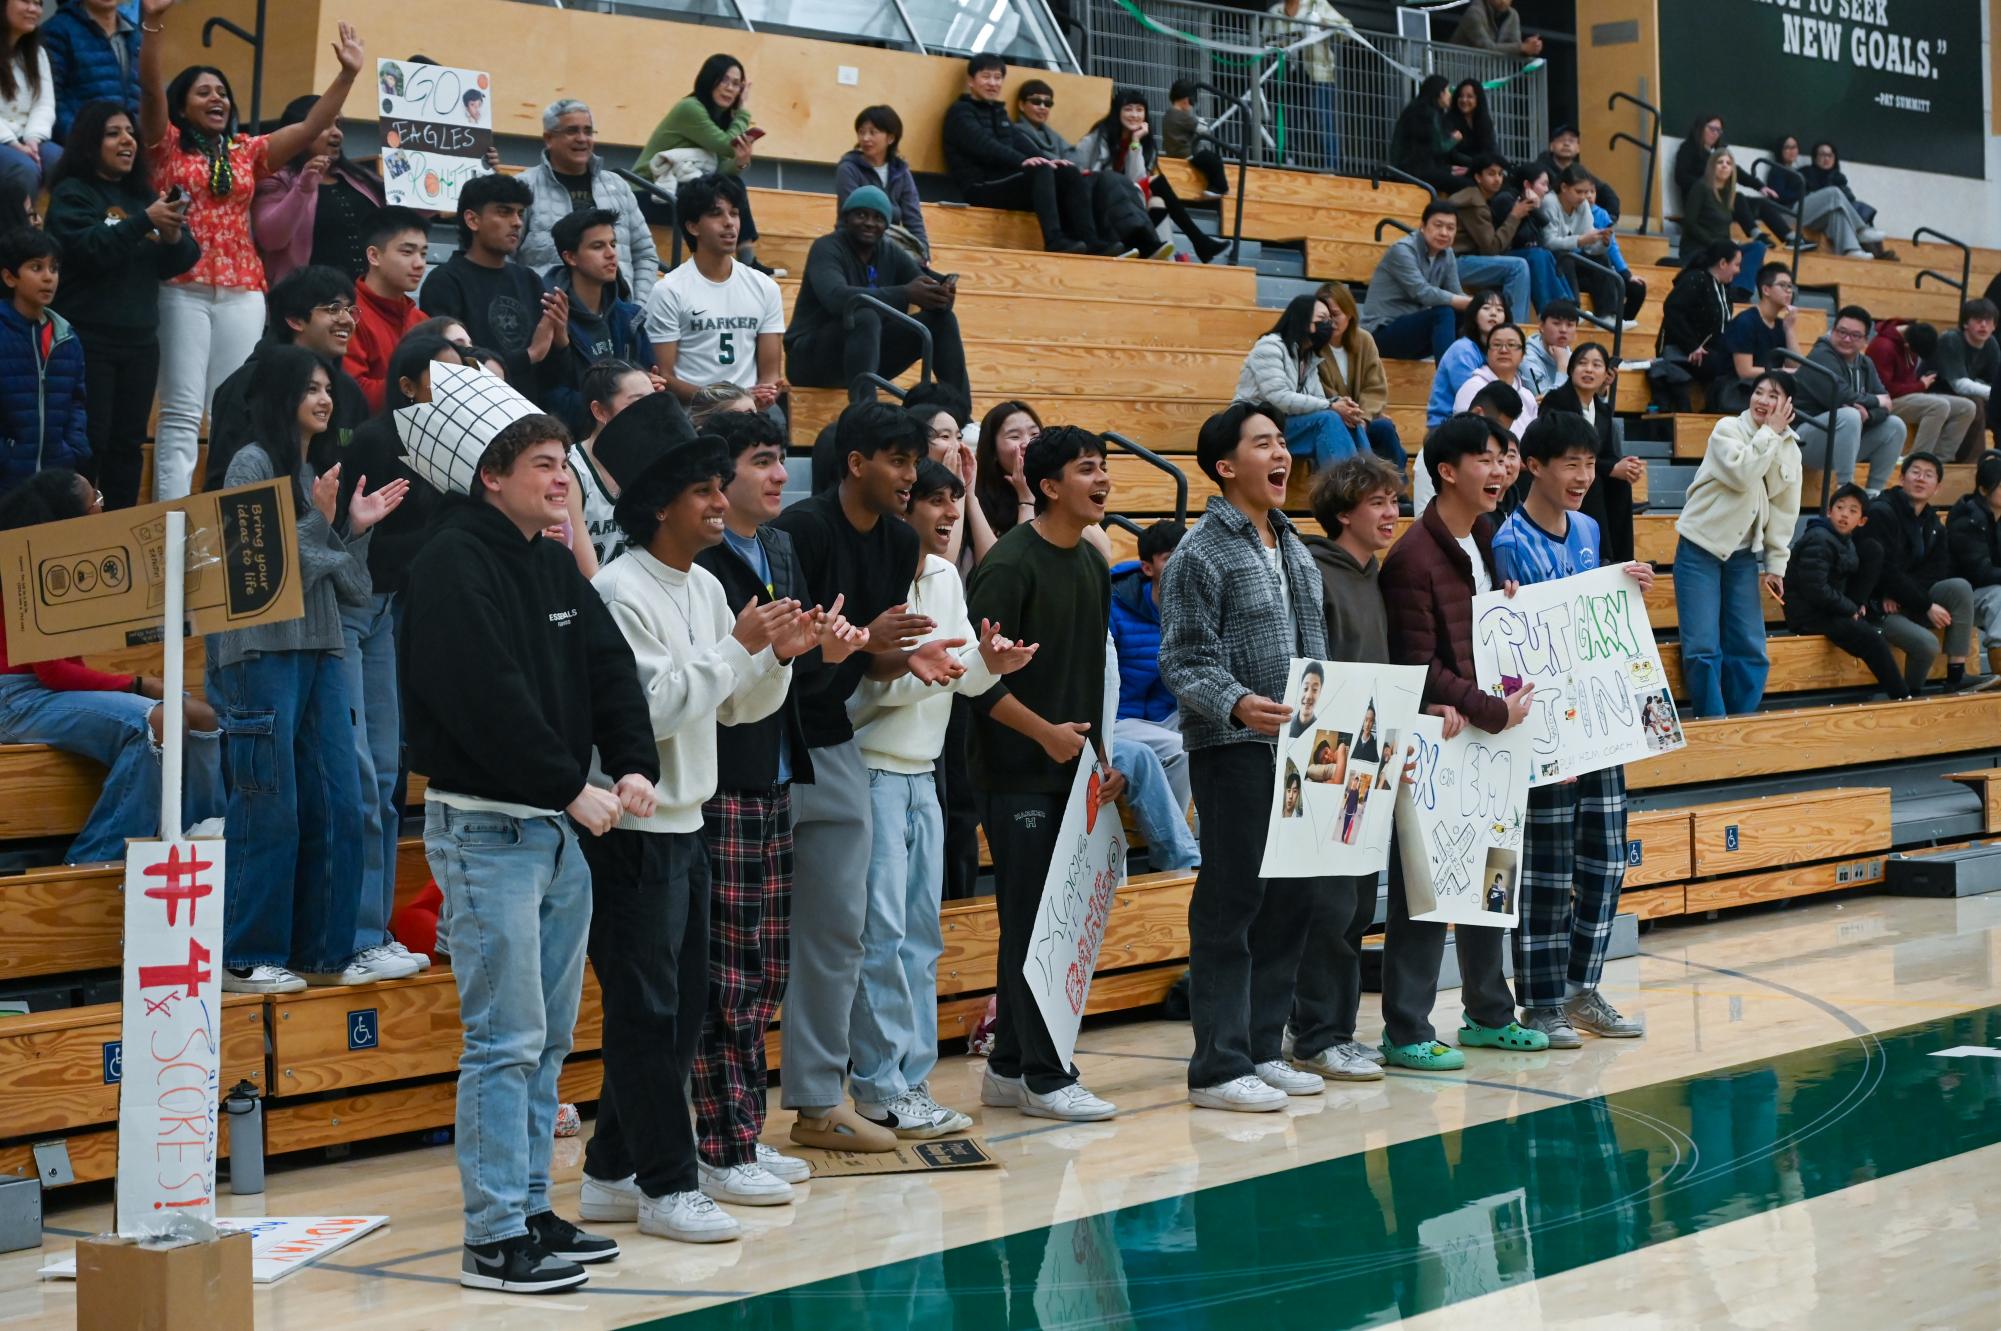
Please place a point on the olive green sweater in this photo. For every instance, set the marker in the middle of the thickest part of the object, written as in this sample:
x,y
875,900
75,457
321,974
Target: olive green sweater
x,y
687,125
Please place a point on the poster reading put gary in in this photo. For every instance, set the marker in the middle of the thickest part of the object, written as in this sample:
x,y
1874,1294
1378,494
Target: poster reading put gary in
x,y
437,125
1601,697
1334,787
1460,824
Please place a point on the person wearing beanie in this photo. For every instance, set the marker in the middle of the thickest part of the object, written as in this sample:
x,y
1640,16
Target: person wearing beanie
x,y
823,350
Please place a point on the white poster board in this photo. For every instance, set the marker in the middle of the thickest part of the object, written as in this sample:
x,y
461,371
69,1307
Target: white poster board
x,y
437,124
1085,875
1601,696
1460,824
170,1050
279,1245
1335,780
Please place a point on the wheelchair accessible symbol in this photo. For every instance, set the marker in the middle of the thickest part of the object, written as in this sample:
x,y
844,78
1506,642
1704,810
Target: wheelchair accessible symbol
x,y
362,1031
114,1062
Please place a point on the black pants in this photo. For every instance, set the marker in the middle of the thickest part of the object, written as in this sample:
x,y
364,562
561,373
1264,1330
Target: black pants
x,y
1021,832
1328,994
649,945
834,356
1753,208
1612,296
1412,952
1215,171
1120,211
1865,642
118,388
1164,199
1245,933
962,813
1059,197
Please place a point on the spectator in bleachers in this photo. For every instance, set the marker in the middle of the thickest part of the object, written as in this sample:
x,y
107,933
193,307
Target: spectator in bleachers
x,y
572,177
501,302
93,51
1122,145
317,207
1636,294
720,399
1973,536
1469,118
708,132
1695,321
994,166
43,409
1830,583
833,340
1353,378
1609,501
111,719
1467,353
714,318
1771,324
1505,347
603,324
608,388
1969,360
1547,360
312,308
1183,134
1824,173
211,315
1918,590
1148,712
1420,144
120,239
384,313
1283,369
943,446
28,149
1695,161
1483,246
1740,509
874,160
1414,291
1570,229
1493,25
1706,210
1001,490
1307,84
1824,206
1864,429
1563,153
1904,352
1119,221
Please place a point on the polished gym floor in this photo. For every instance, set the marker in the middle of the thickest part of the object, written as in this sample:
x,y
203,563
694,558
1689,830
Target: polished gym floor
x,y
1810,1135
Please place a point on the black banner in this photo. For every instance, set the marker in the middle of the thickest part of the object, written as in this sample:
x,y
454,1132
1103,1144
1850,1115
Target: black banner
x,y
1893,83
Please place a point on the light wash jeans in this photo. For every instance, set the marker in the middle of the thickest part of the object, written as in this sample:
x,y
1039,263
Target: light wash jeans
x,y
206,333
1723,660
1162,821
1509,272
1320,437
518,910
893,1029
114,729
1987,616
370,660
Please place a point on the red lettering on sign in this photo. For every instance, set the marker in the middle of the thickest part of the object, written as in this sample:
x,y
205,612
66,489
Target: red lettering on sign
x,y
182,882
194,974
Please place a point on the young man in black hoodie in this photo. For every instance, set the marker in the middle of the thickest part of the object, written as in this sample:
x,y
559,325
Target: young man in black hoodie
x,y
1917,584
513,671
993,168
501,304
1973,534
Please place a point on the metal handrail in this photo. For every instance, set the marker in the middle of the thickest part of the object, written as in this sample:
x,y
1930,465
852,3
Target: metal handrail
x,y
875,380
1652,148
1964,284
1834,408
255,40
652,187
861,298
1244,128
1388,172
1382,222
1617,323
1121,520
1799,204
1152,458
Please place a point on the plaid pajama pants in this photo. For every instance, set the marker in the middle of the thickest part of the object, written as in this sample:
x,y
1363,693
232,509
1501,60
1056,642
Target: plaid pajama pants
x,y
749,836
1574,863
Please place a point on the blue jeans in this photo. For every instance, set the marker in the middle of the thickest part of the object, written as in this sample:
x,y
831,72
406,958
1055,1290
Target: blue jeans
x,y
1163,822
1387,444
294,866
1321,96
1723,661
893,1028
1423,334
518,910
1320,437
116,730
1509,272
370,660
1546,280
17,168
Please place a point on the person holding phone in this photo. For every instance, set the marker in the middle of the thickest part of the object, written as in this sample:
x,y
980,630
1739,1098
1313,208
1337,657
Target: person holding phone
x,y
708,132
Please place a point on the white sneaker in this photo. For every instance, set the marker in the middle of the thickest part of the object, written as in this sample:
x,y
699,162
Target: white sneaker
x,y
423,962
780,1165
745,1185
1245,1095
954,1120
1072,1104
614,1201
1283,1076
367,967
261,980
1335,1063
388,962
1356,1049
1001,1092
689,1217
1872,235
915,1116
1860,254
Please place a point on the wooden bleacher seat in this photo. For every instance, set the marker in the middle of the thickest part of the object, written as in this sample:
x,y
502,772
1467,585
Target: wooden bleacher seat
x,y
1986,783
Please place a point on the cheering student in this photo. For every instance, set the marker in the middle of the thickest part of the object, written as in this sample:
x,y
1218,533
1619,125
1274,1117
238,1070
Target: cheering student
x,y
1238,602
1574,859
1429,580
1030,730
512,671
500,302
383,312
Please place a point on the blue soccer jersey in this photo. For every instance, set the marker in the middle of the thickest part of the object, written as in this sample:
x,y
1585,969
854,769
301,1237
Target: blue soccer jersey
x,y
1525,553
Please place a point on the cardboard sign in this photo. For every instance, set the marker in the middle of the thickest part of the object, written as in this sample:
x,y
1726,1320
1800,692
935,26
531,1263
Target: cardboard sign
x,y
279,1245
1460,824
1334,783
437,125
127,1283
1601,697
97,583
1085,875
170,1082
908,1158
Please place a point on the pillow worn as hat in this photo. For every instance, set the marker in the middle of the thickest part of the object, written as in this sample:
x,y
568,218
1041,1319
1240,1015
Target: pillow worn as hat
x,y
872,198
652,431
447,436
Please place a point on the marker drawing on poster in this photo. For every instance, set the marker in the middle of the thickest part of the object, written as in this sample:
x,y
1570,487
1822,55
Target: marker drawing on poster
x,y
437,125
1460,823
279,1245
1601,696
1334,783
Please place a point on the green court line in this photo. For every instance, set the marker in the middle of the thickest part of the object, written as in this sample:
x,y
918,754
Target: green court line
x,y
1406,1229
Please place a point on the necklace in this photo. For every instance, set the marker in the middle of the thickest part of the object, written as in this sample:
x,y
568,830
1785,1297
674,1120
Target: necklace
x,y
683,606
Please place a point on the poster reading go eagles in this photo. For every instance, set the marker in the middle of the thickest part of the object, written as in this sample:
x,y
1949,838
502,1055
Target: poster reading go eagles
x,y
1334,784
437,125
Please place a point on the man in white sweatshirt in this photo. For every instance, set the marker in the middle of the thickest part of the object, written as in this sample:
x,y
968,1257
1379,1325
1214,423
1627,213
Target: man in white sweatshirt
x,y
700,662
900,729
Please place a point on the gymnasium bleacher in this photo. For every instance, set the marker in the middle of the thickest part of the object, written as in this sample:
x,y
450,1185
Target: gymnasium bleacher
x,y
1805,797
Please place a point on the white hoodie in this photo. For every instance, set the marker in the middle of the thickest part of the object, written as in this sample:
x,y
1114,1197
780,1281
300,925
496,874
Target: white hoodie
x,y
900,723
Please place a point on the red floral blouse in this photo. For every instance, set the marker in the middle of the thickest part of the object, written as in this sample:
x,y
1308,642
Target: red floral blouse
x,y
221,226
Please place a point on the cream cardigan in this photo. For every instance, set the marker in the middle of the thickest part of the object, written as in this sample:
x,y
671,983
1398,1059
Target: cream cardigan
x,y
1749,483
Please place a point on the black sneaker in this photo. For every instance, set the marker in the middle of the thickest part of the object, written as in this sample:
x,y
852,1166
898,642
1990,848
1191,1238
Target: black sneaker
x,y
517,1266
559,1238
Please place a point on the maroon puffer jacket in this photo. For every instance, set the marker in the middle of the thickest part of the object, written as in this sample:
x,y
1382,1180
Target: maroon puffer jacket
x,y
1427,586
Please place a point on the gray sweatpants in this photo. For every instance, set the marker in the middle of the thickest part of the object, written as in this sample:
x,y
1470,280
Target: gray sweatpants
x,y
1914,637
832,833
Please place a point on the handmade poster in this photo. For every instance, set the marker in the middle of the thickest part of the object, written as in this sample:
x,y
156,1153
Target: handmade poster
x,y
1460,824
1601,697
437,125
279,1245
1085,875
1334,783
170,1051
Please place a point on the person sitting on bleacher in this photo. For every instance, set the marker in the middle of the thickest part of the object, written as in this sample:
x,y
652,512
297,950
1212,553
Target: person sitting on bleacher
x,y
1414,292
1918,586
994,167
1904,352
1706,208
1824,207
1493,25
1973,536
1864,429
1830,582
1505,346
1769,325
1824,173
603,324
1119,221
1547,359
1122,145
1467,353
1571,229
571,176
1469,118
1695,163
1352,375
708,132
1695,319
111,719
1563,153
1969,360
1420,144
1283,369
874,160
1482,246
715,317
1182,134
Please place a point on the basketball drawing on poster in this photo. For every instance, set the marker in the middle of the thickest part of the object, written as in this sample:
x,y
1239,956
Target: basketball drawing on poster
x,y
1460,823
1334,784
1601,696
437,126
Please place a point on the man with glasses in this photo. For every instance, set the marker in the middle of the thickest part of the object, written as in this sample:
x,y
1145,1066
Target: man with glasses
x,y
1864,429
572,176
995,166
1772,324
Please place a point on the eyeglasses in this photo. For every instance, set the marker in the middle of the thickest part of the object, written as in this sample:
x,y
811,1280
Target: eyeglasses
x,y
1847,334
1038,101
336,309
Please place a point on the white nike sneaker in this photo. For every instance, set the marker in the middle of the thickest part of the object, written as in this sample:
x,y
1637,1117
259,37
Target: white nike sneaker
x,y
744,1185
689,1217
1071,1104
780,1165
611,1201
1244,1095
1283,1076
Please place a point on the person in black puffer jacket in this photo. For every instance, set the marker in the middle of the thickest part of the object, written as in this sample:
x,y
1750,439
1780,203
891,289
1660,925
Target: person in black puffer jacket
x,y
1829,582
995,168
1973,542
1917,585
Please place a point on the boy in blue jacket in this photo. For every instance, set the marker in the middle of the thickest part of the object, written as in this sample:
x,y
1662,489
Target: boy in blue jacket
x,y
1147,748
42,422
603,324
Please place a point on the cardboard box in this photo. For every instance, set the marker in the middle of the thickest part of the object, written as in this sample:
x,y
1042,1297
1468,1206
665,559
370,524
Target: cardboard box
x,y
127,1285
97,583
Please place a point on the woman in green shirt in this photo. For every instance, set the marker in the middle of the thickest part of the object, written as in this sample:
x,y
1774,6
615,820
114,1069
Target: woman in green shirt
x,y
707,131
